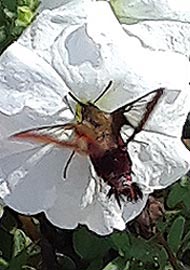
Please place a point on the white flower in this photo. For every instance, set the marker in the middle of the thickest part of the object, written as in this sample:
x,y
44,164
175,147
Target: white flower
x,y
80,47
162,25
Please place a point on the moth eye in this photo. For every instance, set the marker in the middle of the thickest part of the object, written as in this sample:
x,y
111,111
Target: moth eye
x,y
94,123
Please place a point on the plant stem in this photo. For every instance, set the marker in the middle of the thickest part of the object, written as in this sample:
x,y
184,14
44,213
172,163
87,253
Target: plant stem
x,y
172,258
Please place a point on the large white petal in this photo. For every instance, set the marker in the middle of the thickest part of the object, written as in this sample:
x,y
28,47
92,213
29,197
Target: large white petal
x,y
135,10
26,80
31,176
162,35
35,36
87,55
48,4
159,25
68,211
159,160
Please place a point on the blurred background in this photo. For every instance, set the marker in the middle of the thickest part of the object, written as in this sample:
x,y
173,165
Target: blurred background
x,y
158,239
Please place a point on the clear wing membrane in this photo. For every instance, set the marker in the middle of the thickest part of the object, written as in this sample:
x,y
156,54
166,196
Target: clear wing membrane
x,y
138,109
50,134
137,112
60,135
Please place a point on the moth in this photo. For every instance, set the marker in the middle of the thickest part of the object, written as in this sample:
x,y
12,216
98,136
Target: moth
x,y
98,134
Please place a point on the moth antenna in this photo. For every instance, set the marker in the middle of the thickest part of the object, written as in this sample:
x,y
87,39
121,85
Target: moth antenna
x,y
76,99
103,92
67,164
68,104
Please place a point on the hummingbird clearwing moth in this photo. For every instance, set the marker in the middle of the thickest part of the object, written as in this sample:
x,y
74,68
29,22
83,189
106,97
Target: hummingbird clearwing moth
x,y
98,134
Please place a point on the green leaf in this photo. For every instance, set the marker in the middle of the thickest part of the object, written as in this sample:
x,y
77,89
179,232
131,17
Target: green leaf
x,y
185,243
32,4
6,244
10,16
121,242
25,16
10,4
176,195
161,225
2,17
88,245
168,267
96,264
66,263
8,221
176,232
33,250
184,182
3,264
186,238
20,242
121,12
15,16
17,262
140,249
186,200
117,264
162,258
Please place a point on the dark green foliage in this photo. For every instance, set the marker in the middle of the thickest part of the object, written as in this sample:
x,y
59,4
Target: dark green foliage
x,y
175,233
15,15
88,245
16,248
180,194
168,249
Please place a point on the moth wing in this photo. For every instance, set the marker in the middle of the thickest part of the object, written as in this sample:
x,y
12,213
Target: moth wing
x,y
60,135
137,112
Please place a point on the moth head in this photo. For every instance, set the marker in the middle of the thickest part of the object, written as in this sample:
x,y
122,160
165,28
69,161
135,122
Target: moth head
x,y
89,109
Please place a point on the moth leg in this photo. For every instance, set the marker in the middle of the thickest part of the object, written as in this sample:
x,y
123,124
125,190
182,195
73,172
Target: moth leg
x,y
135,193
101,182
67,164
132,192
113,191
149,108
